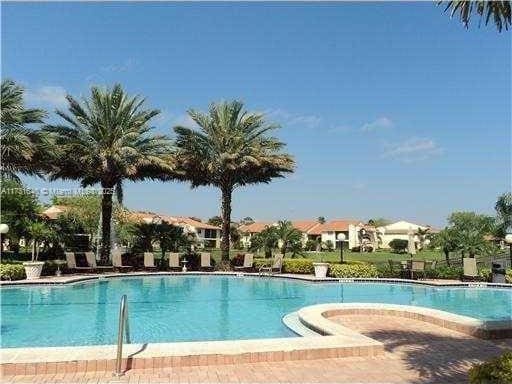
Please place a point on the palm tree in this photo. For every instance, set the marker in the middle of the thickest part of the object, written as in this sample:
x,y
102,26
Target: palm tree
x,y
267,240
106,140
19,152
504,210
498,11
289,236
447,241
230,149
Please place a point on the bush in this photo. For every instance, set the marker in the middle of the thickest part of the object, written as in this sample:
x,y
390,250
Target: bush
x,y
445,272
353,270
508,276
301,266
329,245
485,274
12,272
398,245
385,271
50,267
238,260
495,371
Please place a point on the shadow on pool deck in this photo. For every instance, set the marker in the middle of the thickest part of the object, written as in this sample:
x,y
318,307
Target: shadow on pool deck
x,y
437,358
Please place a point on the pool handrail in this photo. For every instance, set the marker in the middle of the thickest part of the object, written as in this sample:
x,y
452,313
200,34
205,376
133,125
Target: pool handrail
x,y
124,327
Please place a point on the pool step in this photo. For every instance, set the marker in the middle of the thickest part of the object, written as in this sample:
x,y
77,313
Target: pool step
x,y
292,321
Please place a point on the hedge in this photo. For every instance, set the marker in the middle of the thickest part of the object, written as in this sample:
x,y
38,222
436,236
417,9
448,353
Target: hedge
x,y
12,272
495,371
353,270
299,265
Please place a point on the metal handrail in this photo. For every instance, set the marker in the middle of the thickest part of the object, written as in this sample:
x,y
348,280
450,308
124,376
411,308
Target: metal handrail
x,y
124,327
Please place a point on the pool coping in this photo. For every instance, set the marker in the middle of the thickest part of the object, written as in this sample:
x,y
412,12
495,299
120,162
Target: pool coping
x,y
77,278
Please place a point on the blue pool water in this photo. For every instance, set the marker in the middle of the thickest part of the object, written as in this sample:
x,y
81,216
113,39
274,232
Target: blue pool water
x,y
185,308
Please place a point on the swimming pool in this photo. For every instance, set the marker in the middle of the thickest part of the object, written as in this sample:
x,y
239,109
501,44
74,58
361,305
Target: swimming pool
x,y
204,307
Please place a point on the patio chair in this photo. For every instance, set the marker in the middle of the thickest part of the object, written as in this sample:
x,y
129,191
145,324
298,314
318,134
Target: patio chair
x,y
206,261
149,261
91,260
418,267
248,263
275,267
117,262
470,270
76,266
174,261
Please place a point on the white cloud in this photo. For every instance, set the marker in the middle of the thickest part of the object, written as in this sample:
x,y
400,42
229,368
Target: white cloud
x,y
377,125
286,118
413,150
49,95
123,67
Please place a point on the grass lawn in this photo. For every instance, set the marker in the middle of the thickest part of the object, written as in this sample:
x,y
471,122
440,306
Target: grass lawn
x,y
379,257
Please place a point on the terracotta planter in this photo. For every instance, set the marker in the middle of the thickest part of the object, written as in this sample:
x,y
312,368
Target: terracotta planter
x,y
321,269
33,269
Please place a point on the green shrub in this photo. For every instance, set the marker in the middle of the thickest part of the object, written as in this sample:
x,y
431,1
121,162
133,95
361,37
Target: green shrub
x,y
508,276
398,245
302,266
485,274
50,267
495,371
385,271
353,270
12,272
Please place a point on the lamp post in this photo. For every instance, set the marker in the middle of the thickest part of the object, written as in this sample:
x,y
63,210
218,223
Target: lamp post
x,y
341,238
508,240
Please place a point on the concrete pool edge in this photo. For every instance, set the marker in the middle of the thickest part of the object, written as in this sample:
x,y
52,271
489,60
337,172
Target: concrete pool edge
x,y
317,317
80,278
48,360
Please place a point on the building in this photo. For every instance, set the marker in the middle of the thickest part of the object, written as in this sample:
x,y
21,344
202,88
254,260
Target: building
x,y
247,231
400,230
207,235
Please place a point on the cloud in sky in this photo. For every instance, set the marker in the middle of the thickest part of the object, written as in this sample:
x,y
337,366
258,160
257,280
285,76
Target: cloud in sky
x,y
53,96
125,66
286,118
413,150
377,125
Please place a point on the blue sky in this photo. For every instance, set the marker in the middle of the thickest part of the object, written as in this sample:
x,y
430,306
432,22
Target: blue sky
x,y
390,109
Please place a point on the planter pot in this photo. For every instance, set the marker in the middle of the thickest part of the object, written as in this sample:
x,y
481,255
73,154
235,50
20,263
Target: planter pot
x,y
33,269
321,269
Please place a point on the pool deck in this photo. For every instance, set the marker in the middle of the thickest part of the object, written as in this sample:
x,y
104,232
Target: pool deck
x,y
414,352
75,278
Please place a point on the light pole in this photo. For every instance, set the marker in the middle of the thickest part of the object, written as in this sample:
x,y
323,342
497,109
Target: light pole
x,y
341,238
508,240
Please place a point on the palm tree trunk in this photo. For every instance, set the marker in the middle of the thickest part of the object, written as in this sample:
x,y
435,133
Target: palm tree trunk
x,y
226,221
106,216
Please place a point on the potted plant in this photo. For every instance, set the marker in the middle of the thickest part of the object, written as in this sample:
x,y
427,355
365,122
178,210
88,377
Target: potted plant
x,y
321,268
37,231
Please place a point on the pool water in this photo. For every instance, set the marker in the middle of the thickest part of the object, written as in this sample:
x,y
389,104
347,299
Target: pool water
x,y
192,308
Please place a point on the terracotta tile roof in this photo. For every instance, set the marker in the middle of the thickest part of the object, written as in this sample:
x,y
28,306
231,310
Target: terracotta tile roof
x,y
176,220
305,226
334,226
54,211
256,227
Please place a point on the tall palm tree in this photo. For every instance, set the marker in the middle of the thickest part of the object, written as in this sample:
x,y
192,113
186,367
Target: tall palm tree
x,y
107,139
504,210
231,148
288,235
497,11
20,144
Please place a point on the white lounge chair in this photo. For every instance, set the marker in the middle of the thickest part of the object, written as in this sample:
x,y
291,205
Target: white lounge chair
x,y
248,262
71,262
117,261
206,261
91,260
275,267
470,270
174,261
149,261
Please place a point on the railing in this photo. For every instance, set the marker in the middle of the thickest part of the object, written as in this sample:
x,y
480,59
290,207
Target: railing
x,y
124,327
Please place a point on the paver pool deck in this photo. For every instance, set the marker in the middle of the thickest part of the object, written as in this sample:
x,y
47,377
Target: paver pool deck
x,y
415,352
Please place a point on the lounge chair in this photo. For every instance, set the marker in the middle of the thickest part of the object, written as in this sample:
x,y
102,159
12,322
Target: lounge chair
x,y
206,261
91,260
149,261
117,262
418,267
275,267
174,261
248,263
470,270
72,264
